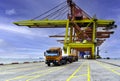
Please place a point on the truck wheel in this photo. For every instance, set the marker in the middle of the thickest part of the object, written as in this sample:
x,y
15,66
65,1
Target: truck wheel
x,y
54,64
59,63
71,61
76,59
48,64
65,62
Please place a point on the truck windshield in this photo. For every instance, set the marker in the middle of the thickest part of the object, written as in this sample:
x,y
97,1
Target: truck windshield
x,y
51,53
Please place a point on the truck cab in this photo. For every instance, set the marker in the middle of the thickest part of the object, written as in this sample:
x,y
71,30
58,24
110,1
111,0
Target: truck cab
x,y
53,55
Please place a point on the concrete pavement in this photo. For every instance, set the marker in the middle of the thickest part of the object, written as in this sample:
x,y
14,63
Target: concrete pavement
x,y
83,70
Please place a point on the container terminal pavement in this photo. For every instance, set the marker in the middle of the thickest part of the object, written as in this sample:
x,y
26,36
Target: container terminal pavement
x,y
82,33
82,70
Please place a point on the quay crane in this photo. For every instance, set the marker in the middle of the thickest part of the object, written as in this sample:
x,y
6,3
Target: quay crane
x,y
82,32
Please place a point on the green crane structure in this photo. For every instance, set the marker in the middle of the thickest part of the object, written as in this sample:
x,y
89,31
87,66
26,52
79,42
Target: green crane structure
x,y
82,32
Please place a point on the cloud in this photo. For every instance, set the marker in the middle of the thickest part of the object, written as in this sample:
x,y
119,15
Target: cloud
x,y
27,49
1,50
110,48
17,52
17,55
23,31
3,43
14,29
10,12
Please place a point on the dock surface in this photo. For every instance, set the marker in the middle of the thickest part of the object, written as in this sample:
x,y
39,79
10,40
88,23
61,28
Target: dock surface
x,y
83,70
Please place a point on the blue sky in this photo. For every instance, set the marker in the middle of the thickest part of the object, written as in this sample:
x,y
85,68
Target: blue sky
x,y
24,42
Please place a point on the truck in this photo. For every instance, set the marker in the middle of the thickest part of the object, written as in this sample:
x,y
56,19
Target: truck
x,y
54,56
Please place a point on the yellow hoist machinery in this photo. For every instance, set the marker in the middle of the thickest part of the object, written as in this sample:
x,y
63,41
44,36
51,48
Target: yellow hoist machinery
x,y
82,32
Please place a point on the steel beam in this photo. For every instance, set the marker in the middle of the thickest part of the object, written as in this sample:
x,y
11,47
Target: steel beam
x,y
61,23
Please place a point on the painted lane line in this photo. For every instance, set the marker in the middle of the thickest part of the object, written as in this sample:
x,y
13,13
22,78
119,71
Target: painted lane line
x,y
11,67
109,63
38,76
22,69
89,78
19,77
116,68
80,75
75,71
108,68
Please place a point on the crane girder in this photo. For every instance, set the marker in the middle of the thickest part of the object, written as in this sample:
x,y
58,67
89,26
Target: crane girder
x,y
62,23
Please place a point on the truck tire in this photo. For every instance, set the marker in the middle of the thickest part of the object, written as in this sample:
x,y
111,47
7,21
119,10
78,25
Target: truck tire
x,y
54,64
48,64
59,63
76,59
65,62
70,61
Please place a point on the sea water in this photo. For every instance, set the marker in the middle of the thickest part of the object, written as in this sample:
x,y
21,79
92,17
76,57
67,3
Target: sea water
x,y
19,60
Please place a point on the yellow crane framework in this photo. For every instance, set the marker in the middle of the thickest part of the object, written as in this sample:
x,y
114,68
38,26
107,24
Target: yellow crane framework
x,y
83,33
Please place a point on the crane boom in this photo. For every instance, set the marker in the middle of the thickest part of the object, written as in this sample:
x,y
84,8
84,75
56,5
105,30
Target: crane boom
x,y
82,31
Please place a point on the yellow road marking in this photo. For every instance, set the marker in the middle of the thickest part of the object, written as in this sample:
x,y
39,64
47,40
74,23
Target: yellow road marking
x,y
19,77
80,75
111,65
19,69
75,72
24,69
11,67
108,68
37,76
116,68
28,75
88,72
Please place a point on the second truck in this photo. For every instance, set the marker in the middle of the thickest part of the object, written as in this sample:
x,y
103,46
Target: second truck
x,y
54,56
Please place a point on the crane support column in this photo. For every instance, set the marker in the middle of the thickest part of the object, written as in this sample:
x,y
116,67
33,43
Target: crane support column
x,y
68,50
94,39
66,37
71,34
66,32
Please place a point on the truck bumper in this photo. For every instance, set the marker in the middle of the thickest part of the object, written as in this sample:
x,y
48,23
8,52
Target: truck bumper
x,y
51,61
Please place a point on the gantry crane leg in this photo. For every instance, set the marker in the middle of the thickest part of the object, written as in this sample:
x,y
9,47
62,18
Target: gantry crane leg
x,y
94,39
